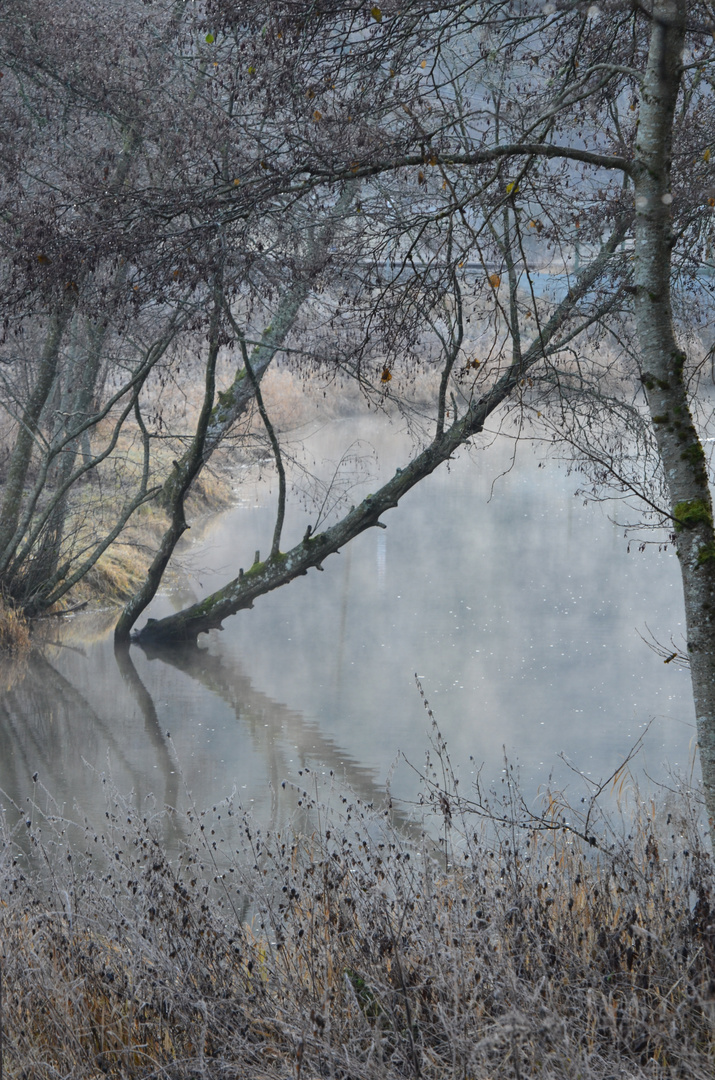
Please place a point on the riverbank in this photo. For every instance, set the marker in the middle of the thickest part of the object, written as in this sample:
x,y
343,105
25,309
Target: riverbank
x,y
338,948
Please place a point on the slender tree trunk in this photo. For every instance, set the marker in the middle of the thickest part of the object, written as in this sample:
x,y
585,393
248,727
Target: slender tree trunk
x,y
25,443
192,463
663,377
39,569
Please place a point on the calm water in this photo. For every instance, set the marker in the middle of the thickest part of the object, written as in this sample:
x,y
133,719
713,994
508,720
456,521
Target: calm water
x,y
518,607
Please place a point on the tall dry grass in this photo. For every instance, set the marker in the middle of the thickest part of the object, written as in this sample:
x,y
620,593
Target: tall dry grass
x,y
14,631
561,944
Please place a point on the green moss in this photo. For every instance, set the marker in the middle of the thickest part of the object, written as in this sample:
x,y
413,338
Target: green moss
x,y
695,455
255,570
706,553
691,512
663,419
679,361
365,996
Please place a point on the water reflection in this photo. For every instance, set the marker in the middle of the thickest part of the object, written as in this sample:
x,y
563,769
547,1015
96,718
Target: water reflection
x,y
519,608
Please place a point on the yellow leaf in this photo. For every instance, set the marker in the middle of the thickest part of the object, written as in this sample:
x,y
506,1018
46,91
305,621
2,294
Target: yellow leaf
x,y
317,116
251,70
210,39
376,13
236,183
494,281
706,155
423,64
444,184
433,160
386,375
512,188
711,202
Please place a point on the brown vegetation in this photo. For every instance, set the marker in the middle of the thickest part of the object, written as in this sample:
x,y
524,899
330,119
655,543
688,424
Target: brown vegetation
x,y
14,631
339,948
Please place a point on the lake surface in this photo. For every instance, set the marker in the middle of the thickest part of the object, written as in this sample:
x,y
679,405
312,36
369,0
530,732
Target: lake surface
x,y
519,608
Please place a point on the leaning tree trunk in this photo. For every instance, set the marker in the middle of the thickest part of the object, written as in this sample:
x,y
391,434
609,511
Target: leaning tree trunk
x,y
663,376
280,568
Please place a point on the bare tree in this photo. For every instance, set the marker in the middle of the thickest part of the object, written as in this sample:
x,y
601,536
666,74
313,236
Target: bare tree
x,y
513,197
581,128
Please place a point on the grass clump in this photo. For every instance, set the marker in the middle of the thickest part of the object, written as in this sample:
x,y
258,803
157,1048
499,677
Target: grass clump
x,y
551,945
14,631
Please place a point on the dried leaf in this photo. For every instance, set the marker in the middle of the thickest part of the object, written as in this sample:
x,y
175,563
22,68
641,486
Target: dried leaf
x,y
494,281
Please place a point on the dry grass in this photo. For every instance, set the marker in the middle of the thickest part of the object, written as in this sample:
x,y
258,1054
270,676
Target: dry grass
x,y
339,948
14,631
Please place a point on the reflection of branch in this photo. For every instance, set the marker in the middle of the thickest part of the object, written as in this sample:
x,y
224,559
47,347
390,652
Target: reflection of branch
x,y
153,728
65,611
280,513
669,655
270,723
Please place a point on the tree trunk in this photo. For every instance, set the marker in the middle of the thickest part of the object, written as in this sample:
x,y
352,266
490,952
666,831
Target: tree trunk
x,y
663,376
25,443
191,466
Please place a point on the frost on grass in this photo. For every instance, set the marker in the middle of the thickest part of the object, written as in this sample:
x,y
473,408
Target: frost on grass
x,y
561,944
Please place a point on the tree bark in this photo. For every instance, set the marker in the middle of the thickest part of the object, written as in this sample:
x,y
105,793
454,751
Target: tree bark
x,y
663,376
29,422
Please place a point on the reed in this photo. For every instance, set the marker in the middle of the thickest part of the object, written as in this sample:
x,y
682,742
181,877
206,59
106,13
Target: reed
x,y
522,944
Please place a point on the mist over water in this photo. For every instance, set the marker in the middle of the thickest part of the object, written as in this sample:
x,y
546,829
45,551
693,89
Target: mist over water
x,y
518,607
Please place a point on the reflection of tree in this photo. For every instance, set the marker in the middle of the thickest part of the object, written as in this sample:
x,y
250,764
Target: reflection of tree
x,y
45,717
48,725
152,727
277,732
